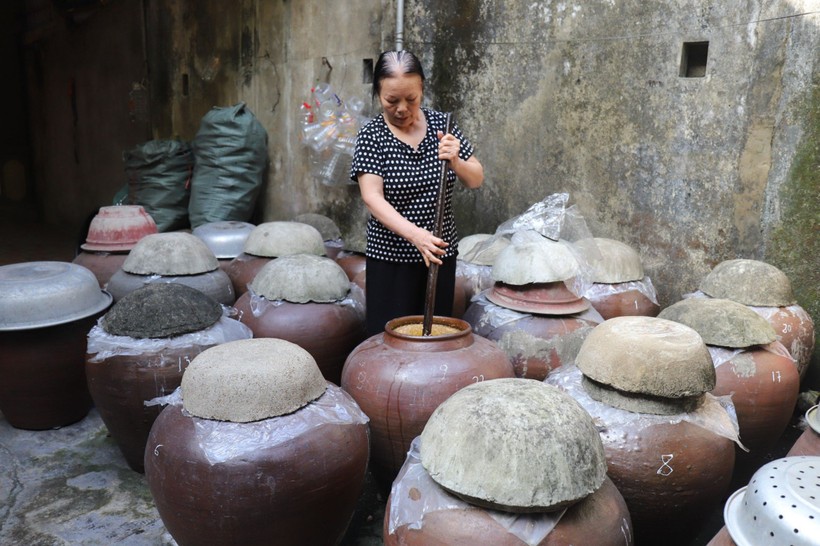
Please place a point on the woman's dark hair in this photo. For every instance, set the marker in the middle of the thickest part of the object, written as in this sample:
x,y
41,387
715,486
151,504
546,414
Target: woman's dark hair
x,y
395,63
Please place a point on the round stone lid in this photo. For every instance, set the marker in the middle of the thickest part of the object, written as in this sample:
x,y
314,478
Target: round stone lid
x,y
160,310
324,225
647,355
302,278
721,322
275,239
535,262
616,262
174,253
251,379
518,445
749,282
481,248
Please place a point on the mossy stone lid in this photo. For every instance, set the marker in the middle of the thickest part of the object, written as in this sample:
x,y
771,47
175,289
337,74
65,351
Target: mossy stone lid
x,y
749,282
618,262
167,254
251,379
535,262
275,239
324,225
161,310
302,278
517,445
647,355
721,322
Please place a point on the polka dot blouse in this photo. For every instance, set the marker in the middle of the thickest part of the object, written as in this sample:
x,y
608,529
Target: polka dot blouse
x,y
411,180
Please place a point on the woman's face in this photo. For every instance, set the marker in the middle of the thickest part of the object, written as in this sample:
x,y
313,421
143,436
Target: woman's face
x,y
400,97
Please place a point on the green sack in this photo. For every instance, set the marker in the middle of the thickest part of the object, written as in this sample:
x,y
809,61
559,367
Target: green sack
x,y
231,160
158,174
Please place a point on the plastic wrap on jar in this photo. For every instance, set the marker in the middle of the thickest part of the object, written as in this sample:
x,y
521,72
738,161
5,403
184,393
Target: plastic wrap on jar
x,y
643,286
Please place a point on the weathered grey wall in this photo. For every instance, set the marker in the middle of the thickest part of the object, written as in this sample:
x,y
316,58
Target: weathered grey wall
x,y
558,95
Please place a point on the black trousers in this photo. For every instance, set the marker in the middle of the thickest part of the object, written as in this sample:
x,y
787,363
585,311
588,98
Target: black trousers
x,y
399,289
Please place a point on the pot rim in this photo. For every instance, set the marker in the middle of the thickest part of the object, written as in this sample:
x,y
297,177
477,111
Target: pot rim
x,y
462,325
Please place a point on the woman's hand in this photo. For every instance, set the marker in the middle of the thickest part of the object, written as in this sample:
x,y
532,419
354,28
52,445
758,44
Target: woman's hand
x,y
448,147
430,246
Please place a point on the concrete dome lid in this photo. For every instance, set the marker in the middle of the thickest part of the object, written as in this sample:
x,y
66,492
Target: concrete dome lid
x,y
324,225
616,262
481,248
647,355
721,322
275,239
251,379
749,282
161,310
173,253
535,262
301,278
518,445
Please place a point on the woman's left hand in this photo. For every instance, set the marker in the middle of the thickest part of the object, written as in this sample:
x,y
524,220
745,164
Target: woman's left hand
x,y
448,147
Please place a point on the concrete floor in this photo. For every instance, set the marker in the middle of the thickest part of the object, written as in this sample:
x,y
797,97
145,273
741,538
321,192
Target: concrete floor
x,y
71,486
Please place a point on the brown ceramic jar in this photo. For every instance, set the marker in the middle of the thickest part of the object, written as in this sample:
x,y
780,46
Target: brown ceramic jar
x,y
238,477
46,310
288,306
127,366
535,343
622,299
601,519
399,379
102,264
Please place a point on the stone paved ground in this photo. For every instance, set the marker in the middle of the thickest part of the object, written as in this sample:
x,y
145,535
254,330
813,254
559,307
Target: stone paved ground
x,y
71,486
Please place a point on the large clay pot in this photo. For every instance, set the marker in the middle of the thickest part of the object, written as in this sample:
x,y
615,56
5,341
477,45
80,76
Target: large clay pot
x,y
794,328
808,443
751,366
763,383
619,287
46,310
214,284
633,298
399,379
127,366
353,263
102,264
268,241
658,464
601,519
238,478
535,343
329,328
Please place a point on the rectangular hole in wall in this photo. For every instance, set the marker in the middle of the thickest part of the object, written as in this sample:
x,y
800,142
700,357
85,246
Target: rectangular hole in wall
x,y
367,71
185,85
693,59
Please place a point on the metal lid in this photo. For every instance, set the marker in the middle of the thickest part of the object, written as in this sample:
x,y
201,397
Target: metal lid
x,y
225,239
41,294
779,507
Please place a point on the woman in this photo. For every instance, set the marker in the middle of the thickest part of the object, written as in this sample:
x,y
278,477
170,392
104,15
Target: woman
x,y
397,164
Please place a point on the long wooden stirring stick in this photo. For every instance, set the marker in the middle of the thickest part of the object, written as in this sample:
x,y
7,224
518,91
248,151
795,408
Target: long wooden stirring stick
x,y
432,271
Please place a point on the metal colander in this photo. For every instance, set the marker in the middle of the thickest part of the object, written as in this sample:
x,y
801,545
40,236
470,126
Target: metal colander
x,y
779,507
813,418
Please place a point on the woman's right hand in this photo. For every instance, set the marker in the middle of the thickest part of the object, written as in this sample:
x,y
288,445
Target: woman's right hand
x,y
430,246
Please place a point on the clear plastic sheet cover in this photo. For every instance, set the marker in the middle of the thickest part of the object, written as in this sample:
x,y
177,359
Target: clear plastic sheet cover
x,y
643,286
497,316
355,298
530,528
102,345
715,413
478,277
222,441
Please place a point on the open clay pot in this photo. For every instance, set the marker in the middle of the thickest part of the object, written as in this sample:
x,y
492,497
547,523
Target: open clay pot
x,y
398,379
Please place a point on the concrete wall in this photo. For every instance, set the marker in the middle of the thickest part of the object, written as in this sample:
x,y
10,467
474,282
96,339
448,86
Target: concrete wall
x,y
584,97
